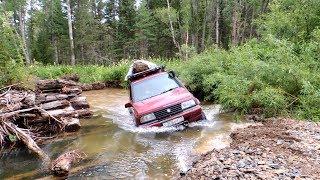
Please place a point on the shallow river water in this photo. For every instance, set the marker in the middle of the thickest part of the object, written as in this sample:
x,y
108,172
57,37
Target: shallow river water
x,y
115,148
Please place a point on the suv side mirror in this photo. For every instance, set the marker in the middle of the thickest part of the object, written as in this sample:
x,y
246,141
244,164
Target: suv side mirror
x,y
172,74
127,105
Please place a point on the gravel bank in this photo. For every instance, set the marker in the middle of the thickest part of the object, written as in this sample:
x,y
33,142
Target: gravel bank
x,y
278,149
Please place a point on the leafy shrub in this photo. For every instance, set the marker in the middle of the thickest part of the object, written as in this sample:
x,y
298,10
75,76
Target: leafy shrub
x,y
272,100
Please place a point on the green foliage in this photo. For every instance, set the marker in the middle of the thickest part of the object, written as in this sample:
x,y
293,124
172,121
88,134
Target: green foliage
x,y
272,100
88,74
10,53
293,20
268,75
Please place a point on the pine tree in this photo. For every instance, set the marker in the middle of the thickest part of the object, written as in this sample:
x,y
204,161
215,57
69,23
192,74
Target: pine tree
x,y
145,24
126,29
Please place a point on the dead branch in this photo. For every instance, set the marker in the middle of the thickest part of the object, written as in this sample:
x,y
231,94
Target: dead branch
x,y
26,139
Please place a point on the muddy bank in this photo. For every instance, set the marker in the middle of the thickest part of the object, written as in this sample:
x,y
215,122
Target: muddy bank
x,y
277,149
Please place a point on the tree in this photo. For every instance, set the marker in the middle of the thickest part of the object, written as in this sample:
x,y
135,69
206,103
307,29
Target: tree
x,y
145,24
73,59
19,9
11,53
126,29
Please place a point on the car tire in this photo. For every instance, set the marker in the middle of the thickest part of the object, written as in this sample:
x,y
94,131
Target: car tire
x,y
203,116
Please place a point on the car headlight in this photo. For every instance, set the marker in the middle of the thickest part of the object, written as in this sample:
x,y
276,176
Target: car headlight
x,y
148,117
188,104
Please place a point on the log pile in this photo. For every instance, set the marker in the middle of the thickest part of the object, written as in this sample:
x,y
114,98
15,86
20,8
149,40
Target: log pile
x,y
34,116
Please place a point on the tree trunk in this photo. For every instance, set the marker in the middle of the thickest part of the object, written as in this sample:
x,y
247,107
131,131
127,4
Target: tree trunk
x,y
204,25
73,59
264,6
251,24
21,15
172,29
55,47
217,22
235,23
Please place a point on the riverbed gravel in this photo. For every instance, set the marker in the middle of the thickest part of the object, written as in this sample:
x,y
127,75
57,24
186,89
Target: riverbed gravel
x,y
276,149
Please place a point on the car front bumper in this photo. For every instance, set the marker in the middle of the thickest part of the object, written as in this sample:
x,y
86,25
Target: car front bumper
x,y
190,115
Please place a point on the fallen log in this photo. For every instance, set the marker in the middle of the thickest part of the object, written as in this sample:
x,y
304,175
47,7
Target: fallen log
x,y
68,111
98,86
64,83
30,99
55,104
71,90
83,113
79,103
11,107
11,115
26,139
86,87
48,84
62,165
71,124
44,98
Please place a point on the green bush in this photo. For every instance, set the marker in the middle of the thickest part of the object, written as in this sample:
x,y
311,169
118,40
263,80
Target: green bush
x,y
272,100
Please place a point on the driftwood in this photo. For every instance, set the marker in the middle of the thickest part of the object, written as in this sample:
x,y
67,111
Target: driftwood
x,y
44,98
71,90
79,103
35,116
10,115
86,87
54,84
55,104
11,107
48,84
98,86
71,124
26,139
62,165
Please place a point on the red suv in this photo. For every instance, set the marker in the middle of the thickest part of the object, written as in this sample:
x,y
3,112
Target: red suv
x,y
158,98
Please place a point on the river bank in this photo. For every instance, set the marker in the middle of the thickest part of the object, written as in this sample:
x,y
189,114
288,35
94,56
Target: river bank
x,y
276,149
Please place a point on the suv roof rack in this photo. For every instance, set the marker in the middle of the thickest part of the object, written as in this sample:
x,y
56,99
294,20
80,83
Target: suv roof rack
x,y
148,72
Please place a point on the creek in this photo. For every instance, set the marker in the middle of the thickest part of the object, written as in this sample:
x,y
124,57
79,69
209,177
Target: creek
x,y
115,148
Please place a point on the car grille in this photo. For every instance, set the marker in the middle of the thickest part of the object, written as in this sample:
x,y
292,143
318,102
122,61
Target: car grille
x,y
168,111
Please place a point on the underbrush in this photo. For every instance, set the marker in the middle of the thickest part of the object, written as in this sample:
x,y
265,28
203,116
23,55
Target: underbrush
x,y
271,77
87,73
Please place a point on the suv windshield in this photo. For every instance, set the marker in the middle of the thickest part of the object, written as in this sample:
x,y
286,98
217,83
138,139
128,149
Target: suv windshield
x,y
153,87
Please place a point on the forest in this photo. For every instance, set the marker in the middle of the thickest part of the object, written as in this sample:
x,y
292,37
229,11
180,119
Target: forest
x,y
248,55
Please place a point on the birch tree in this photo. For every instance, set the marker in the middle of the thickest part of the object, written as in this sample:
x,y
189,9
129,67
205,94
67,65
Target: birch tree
x,y
73,59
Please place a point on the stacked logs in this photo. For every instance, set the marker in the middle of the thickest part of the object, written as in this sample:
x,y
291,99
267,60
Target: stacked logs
x,y
31,117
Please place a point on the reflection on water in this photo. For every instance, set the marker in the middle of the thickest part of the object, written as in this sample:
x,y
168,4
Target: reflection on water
x,y
115,148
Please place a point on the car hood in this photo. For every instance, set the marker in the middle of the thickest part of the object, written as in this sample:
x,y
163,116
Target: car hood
x,y
161,101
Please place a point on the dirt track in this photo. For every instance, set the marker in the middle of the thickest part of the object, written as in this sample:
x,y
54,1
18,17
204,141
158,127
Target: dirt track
x,y
278,149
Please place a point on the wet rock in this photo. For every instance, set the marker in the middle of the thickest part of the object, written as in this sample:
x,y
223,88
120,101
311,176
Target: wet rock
x,y
241,164
274,166
280,149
